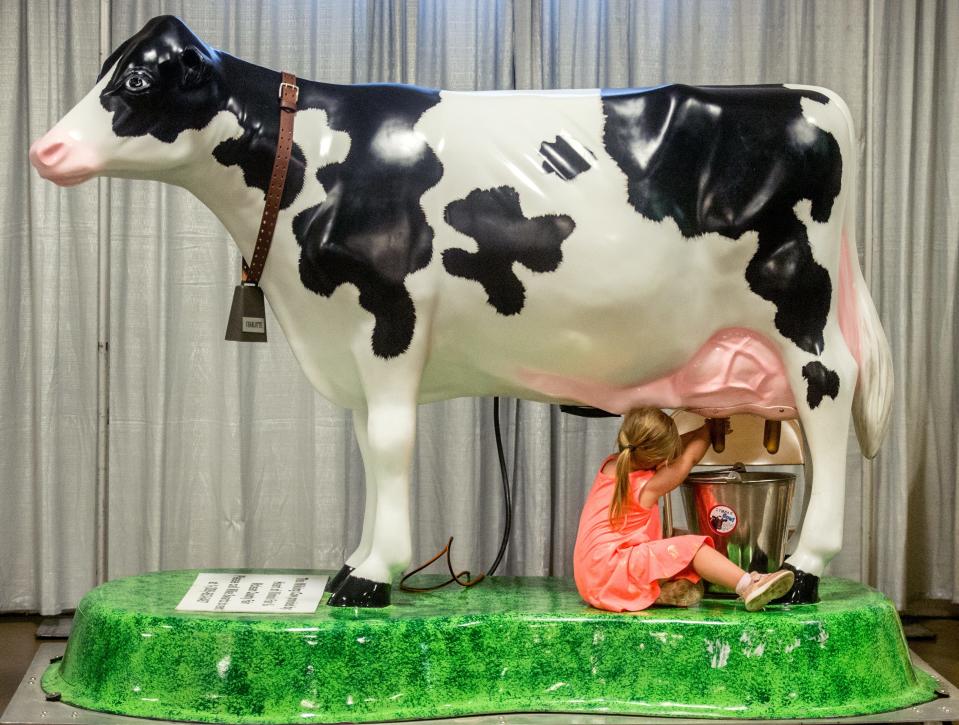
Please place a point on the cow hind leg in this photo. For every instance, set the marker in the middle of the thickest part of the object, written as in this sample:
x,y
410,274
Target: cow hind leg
x,y
390,432
369,508
823,390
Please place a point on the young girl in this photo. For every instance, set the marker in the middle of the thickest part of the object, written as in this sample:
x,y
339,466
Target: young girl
x,y
621,561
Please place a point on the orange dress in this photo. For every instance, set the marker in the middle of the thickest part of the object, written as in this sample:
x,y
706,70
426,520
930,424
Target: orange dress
x,y
619,569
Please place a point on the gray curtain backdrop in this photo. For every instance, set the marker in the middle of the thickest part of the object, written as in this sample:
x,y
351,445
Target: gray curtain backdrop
x,y
221,454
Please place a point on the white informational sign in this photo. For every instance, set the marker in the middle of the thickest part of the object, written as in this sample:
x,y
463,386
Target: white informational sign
x,y
259,592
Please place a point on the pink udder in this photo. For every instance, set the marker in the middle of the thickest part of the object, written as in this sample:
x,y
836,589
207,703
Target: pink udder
x,y
736,371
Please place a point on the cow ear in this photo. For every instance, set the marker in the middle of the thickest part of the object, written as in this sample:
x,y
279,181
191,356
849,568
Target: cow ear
x,y
196,67
114,57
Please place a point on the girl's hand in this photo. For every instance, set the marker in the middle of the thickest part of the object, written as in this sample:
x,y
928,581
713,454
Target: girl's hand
x,y
725,422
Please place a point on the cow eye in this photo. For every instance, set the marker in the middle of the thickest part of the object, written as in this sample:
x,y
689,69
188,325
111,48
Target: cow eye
x,y
137,83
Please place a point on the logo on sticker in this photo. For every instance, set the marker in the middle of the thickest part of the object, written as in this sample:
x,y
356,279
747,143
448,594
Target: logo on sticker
x,y
722,519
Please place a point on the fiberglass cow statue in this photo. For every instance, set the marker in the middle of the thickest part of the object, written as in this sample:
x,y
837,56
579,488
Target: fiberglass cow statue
x,y
684,247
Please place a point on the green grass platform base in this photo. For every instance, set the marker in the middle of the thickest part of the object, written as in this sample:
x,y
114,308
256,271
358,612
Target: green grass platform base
x,y
507,645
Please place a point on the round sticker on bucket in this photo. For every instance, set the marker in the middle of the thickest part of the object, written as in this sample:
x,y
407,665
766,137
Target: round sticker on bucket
x,y
722,519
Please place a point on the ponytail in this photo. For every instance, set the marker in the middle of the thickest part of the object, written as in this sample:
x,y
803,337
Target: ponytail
x,y
647,438
621,492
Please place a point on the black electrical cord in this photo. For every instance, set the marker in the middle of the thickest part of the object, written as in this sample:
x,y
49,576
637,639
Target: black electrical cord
x,y
463,578
504,474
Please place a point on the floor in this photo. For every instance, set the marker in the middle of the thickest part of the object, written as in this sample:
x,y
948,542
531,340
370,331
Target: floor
x,y
18,645
942,650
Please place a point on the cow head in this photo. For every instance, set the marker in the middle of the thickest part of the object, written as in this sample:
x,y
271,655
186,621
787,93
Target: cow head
x,y
150,110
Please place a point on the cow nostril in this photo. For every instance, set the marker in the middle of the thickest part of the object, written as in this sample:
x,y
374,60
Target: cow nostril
x,y
51,153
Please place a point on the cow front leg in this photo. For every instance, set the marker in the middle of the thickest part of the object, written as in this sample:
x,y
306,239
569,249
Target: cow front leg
x,y
369,508
824,391
390,430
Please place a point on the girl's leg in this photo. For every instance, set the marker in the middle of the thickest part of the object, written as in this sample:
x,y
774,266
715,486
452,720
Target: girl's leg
x,y
716,568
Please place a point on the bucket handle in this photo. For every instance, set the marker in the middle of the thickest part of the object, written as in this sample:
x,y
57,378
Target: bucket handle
x,y
738,467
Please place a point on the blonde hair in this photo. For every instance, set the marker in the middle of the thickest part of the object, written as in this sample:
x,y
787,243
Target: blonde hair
x,y
647,438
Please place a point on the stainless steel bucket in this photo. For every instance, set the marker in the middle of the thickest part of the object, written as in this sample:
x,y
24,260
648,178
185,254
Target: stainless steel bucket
x,y
746,513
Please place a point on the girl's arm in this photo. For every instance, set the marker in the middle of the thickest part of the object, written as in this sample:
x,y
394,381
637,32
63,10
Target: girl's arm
x,y
695,445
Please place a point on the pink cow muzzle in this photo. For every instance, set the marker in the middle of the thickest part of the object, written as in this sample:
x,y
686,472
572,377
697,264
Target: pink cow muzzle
x,y
63,160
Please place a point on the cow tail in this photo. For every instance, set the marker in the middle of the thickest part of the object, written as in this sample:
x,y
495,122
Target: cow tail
x,y
872,401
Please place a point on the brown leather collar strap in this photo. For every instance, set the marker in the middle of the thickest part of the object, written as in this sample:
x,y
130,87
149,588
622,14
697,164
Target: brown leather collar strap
x,y
289,95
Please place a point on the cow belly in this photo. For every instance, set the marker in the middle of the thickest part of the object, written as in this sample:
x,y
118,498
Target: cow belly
x,y
735,371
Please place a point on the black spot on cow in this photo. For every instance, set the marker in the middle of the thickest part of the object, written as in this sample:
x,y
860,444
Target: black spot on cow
x,y
784,272
563,160
254,153
371,231
494,219
729,161
820,382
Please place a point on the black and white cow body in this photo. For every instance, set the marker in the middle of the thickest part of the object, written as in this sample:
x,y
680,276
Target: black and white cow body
x,y
674,246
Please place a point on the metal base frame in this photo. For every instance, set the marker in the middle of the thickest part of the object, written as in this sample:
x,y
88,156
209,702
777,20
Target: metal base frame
x,y
29,706
55,627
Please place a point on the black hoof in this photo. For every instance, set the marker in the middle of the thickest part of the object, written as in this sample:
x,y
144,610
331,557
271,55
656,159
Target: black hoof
x,y
334,582
759,560
358,592
805,589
